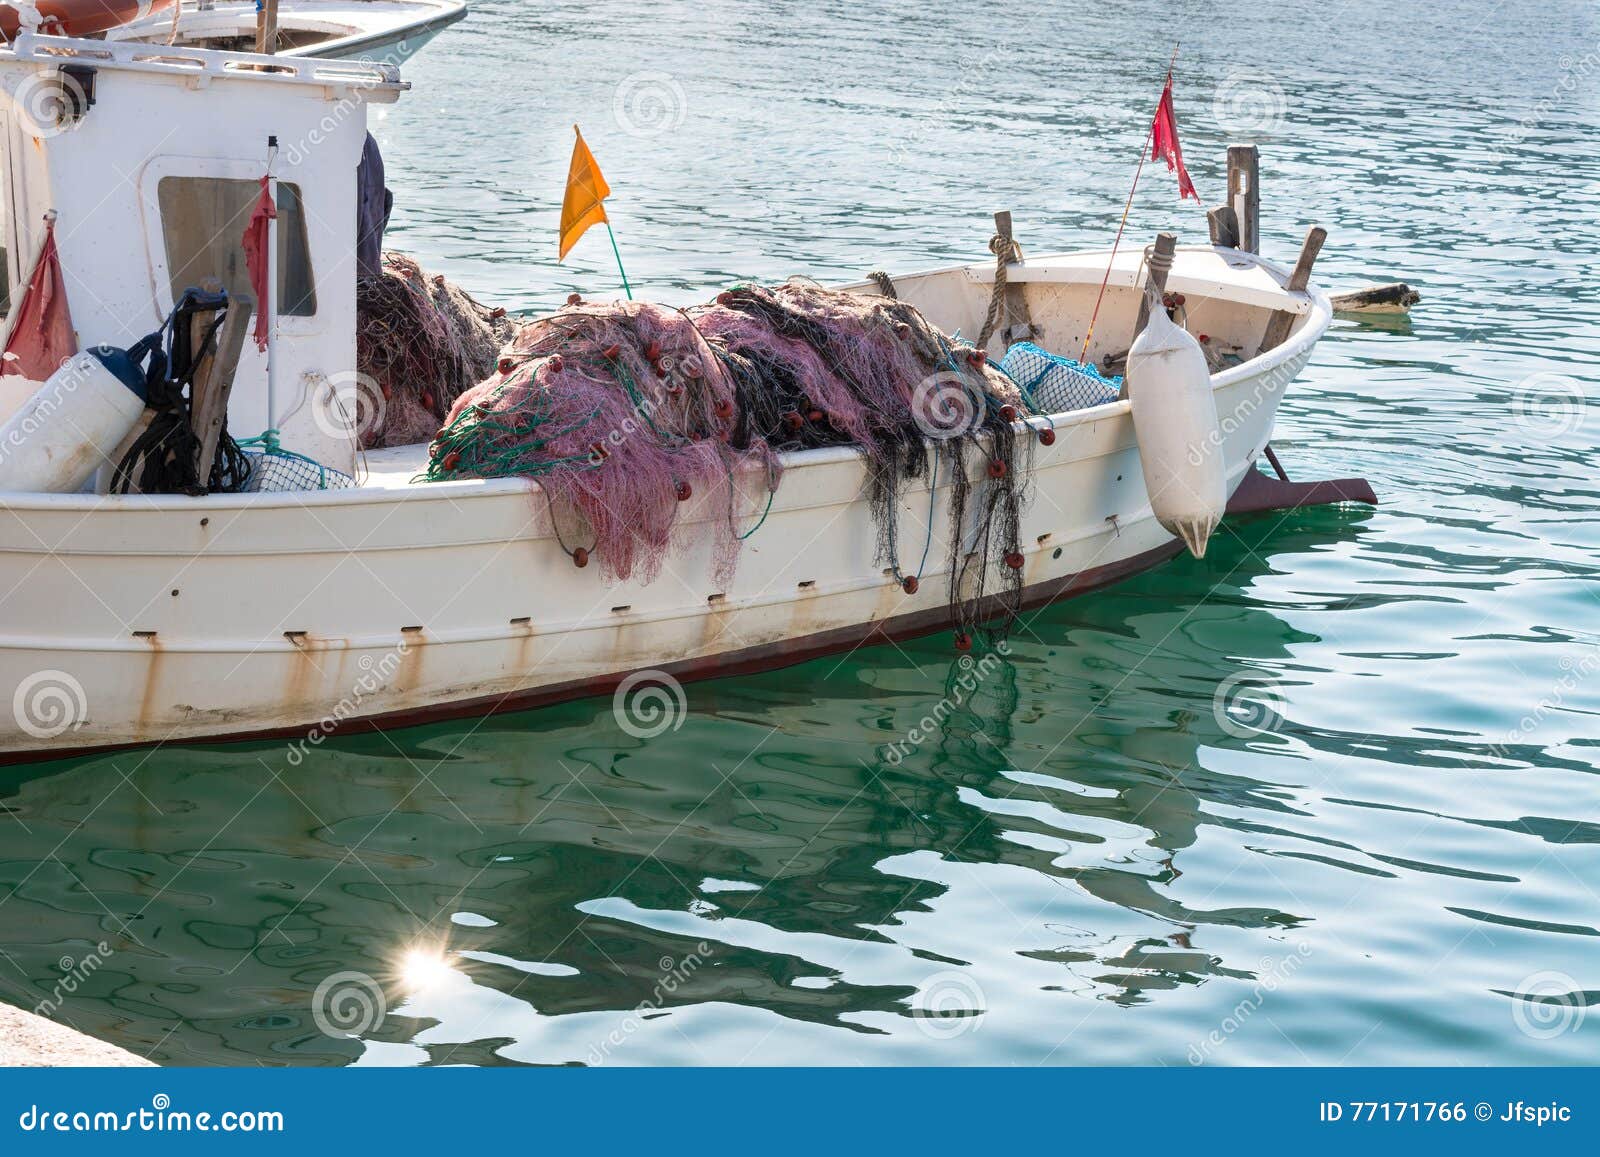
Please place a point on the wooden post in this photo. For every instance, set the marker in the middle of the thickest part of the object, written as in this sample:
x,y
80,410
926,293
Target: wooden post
x,y
267,27
1159,265
1244,194
1224,227
1279,323
1016,325
213,382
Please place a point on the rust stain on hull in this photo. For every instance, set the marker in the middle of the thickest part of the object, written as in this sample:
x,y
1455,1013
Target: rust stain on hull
x,y
525,650
150,712
473,699
302,677
408,678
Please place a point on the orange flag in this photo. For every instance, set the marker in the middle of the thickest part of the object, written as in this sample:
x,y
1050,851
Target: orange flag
x,y
587,190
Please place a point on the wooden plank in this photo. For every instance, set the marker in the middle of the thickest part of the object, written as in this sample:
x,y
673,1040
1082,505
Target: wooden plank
x,y
1390,297
1224,227
1279,323
1251,286
1300,276
1244,194
213,382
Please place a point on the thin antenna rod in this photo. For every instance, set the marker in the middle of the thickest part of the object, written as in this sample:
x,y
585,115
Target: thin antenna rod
x,y
1123,224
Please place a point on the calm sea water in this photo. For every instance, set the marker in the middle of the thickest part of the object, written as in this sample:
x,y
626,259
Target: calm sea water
x,y
1328,796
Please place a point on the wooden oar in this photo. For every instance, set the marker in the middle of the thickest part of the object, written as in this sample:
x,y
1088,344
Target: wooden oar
x,y
213,382
1279,324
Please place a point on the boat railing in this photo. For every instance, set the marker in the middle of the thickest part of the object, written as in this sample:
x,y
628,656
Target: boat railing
x,y
381,80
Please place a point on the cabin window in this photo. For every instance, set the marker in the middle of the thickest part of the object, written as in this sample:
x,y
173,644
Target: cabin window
x,y
204,219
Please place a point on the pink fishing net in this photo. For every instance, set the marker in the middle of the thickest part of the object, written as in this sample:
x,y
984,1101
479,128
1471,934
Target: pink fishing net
x,y
420,343
633,416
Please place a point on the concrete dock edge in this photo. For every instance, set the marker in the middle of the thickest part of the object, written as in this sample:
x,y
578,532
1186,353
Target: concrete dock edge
x,y
29,1040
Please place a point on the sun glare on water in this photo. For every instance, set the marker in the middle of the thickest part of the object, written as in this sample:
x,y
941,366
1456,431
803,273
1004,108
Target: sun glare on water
x,y
424,968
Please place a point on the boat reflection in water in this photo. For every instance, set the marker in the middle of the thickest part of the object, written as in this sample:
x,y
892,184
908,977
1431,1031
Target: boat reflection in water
x,y
855,859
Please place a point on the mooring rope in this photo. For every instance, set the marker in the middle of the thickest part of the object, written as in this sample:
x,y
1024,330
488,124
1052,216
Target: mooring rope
x,y
1005,250
884,282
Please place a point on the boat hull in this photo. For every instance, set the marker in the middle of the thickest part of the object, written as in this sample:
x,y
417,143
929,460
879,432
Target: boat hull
x,y
389,46
136,621
386,31
772,656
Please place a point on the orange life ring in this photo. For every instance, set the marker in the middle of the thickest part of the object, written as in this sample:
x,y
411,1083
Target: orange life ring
x,y
75,17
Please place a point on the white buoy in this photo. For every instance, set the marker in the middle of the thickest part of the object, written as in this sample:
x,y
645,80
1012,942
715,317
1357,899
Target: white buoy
x,y
66,430
1175,421
15,390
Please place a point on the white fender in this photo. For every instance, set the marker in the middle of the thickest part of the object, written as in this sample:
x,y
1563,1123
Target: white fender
x,y
1175,421
70,426
15,390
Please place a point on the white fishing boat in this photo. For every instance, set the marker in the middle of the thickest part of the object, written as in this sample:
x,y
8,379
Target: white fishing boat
x,y
140,619
387,30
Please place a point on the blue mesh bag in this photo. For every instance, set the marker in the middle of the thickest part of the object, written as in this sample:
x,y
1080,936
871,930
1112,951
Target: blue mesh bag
x,y
1056,384
275,471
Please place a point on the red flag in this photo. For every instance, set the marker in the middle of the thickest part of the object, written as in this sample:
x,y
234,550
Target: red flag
x,y
256,234
1164,143
42,338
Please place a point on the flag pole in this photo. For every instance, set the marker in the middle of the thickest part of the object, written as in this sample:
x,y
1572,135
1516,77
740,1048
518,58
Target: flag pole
x,y
1127,205
626,288
271,305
